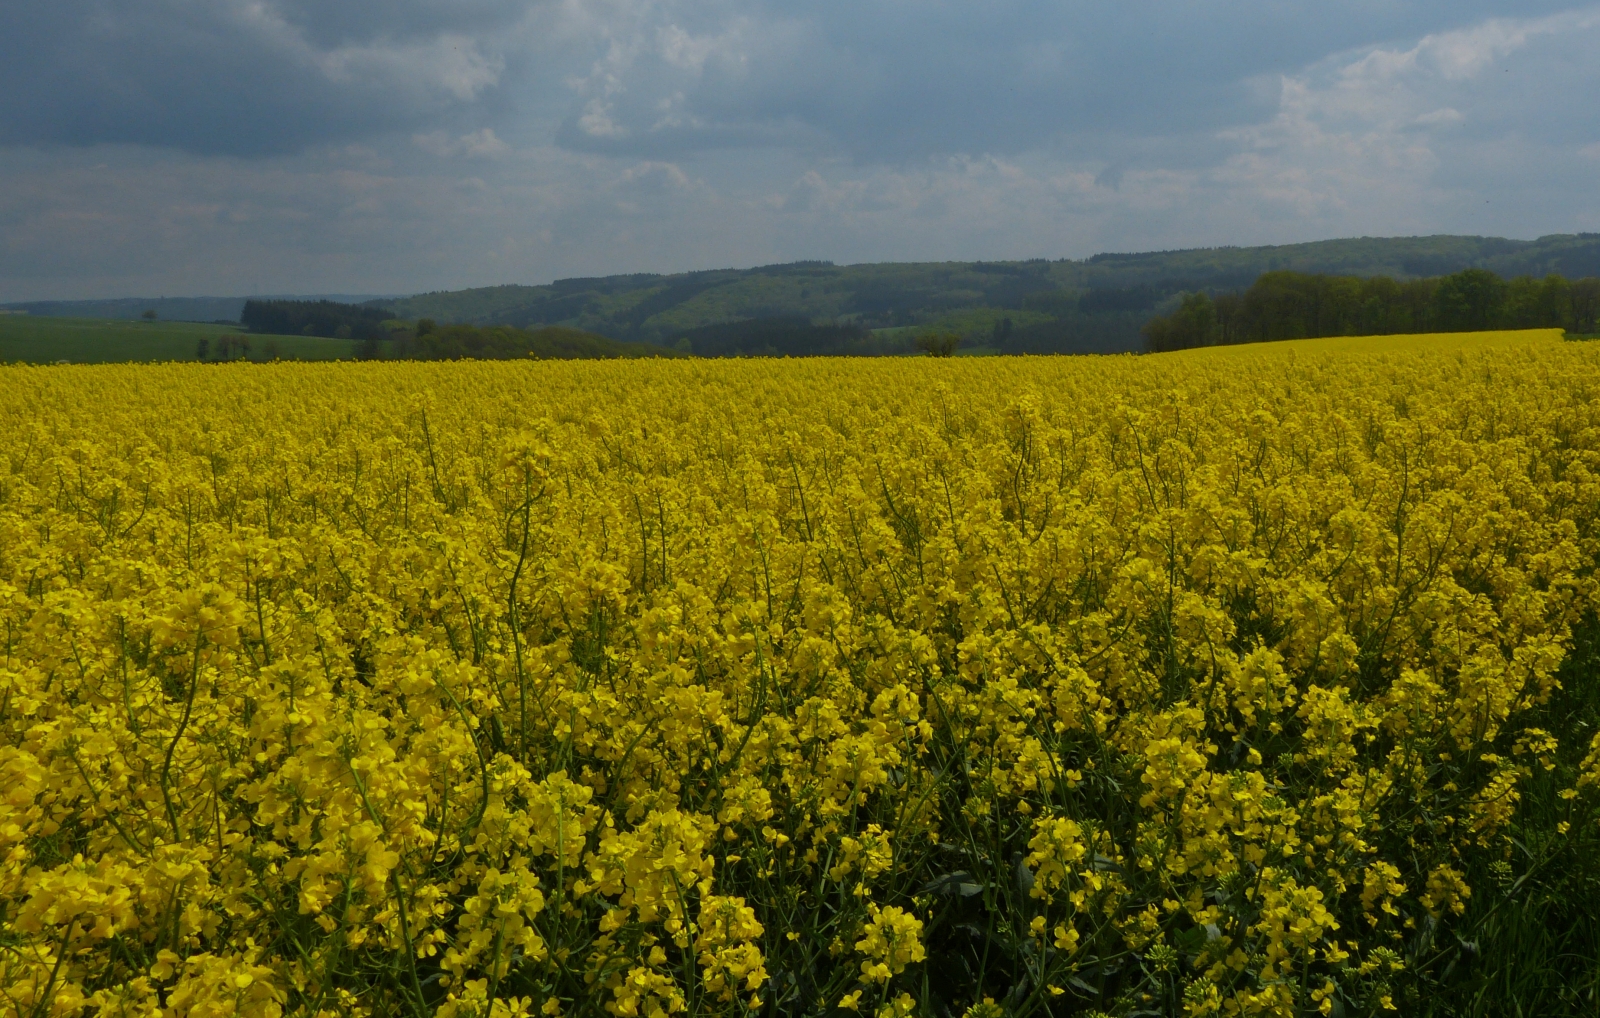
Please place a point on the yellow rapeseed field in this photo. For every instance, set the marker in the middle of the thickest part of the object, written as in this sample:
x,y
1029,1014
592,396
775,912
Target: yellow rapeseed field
x,y
1200,683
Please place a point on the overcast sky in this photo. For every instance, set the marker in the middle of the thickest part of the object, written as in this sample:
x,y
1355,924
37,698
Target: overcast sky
x,y
186,147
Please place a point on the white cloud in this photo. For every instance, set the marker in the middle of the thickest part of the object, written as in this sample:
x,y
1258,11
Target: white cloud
x,y
655,174
689,52
451,64
480,144
596,121
1373,141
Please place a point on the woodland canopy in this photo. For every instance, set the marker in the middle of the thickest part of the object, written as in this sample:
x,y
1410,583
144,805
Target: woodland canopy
x,y
1298,305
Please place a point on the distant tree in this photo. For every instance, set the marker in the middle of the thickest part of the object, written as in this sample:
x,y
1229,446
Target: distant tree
x,y
1131,298
1470,301
149,315
1230,317
1413,308
323,318
776,337
425,326
1554,302
202,349
1160,335
1585,297
1298,305
939,344
503,342
1537,303
1193,324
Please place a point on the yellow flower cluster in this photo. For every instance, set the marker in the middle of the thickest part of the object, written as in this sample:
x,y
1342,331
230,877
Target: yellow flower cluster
x,y
893,940
716,688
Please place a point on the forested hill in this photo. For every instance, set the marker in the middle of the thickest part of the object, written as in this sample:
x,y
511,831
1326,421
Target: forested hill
x,y
167,309
1098,304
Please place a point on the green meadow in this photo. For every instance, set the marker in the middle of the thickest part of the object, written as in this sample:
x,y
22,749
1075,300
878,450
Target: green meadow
x,y
39,339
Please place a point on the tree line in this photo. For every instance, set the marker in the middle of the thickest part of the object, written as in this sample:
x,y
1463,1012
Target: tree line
x,y
1298,305
428,341
325,318
780,336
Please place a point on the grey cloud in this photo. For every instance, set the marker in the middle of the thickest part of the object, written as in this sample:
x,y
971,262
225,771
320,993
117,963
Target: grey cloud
x,y
873,80
245,77
891,80
715,133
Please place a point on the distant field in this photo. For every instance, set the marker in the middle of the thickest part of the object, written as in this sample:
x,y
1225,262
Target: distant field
x,y
1436,341
45,340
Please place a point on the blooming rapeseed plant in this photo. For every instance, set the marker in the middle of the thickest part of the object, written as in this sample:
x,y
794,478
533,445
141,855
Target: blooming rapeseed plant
x,y
1200,683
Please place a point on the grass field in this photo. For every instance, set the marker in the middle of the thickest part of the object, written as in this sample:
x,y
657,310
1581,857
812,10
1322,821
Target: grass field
x,y
44,340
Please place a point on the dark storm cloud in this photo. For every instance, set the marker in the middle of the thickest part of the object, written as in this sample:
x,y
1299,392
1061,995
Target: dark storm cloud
x,y
245,76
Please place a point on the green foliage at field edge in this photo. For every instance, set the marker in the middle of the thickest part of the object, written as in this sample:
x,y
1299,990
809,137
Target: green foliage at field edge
x,y
37,339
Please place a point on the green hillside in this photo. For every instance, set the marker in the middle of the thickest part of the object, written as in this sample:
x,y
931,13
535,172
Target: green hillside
x,y
45,340
170,309
1097,304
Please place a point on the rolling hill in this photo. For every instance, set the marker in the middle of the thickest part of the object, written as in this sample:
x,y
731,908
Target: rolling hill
x,y
1094,305
1097,304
